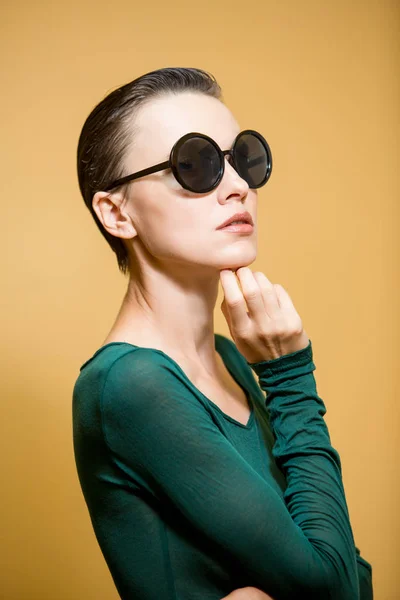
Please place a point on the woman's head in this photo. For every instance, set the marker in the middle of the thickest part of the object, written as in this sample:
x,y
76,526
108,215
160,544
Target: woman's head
x,y
153,218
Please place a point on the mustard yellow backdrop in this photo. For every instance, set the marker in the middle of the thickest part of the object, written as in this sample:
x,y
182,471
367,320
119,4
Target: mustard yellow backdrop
x,y
320,79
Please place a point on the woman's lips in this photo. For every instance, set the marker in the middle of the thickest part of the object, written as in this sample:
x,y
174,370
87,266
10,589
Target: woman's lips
x,y
239,228
243,216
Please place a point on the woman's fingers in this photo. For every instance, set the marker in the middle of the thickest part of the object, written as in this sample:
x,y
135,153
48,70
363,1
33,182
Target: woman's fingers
x,y
269,294
284,299
258,292
271,327
252,292
234,301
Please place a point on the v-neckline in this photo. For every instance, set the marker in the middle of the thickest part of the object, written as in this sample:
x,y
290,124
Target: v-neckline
x,y
227,364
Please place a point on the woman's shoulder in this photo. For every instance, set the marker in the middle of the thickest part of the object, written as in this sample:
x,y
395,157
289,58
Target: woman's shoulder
x,y
117,379
118,356
120,362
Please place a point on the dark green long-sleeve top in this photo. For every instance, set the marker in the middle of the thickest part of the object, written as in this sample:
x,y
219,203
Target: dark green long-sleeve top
x,y
189,504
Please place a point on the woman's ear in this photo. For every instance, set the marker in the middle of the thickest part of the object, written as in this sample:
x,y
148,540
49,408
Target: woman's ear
x,y
108,208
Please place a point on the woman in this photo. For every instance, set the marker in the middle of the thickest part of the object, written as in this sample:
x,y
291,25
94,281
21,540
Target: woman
x,y
200,482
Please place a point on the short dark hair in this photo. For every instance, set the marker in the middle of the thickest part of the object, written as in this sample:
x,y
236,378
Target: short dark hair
x,y
108,132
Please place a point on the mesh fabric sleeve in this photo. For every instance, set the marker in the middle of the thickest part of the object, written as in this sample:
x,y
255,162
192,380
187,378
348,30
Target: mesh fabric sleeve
x,y
159,432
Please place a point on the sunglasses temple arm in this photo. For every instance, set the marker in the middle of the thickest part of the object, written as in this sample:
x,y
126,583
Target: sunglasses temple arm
x,y
142,173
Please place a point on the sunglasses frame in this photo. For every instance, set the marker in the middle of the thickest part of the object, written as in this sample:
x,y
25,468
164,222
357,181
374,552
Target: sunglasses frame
x,y
173,164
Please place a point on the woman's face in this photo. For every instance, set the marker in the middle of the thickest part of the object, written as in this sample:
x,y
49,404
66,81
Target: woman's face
x,y
172,223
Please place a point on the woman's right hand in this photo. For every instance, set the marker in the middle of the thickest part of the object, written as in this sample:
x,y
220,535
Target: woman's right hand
x,y
247,593
272,327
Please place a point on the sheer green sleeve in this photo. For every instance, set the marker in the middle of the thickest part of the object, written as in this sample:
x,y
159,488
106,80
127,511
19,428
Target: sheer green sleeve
x,y
162,436
303,448
364,569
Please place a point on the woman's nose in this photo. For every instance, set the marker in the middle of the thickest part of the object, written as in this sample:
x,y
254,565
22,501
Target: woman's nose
x,y
232,177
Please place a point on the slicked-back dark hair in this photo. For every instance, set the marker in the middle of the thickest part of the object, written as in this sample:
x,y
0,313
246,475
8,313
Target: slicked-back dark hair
x,y
108,132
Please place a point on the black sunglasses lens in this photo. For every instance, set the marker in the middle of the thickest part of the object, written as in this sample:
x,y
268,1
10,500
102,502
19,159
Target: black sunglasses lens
x,y
253,159
198,164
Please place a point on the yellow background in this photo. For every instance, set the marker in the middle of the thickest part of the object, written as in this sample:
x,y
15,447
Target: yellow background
x,y
321,81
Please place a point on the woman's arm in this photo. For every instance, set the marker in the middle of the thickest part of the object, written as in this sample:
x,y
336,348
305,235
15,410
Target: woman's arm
x,y
159,432
266,326
364,579
364,570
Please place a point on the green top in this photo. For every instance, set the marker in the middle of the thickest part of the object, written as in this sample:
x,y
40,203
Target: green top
x,y
189,504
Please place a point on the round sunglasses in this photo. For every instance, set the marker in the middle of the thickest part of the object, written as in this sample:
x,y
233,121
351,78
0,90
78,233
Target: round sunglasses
x,y
198,163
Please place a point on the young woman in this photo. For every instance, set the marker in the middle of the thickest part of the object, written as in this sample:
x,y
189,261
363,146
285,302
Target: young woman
x,y
200,482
